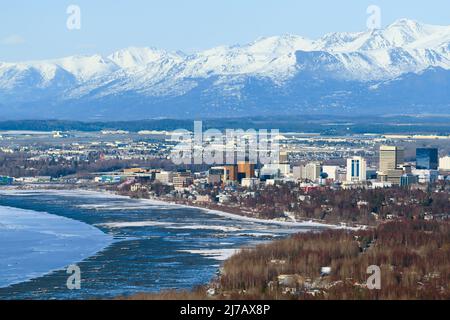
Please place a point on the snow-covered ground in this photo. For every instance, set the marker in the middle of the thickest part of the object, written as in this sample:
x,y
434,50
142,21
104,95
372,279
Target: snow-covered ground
x,y
33,244
218,254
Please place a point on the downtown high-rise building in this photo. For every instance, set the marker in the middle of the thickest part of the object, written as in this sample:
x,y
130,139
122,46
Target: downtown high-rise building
x,y
444,163
312,171
356,169
427,158
391,158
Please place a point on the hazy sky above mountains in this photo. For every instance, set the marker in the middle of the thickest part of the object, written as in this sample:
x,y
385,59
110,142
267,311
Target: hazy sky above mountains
x,y
37,29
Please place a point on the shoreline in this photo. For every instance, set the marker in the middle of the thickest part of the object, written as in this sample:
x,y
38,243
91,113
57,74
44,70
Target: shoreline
x,y
157,201
235,216
222,213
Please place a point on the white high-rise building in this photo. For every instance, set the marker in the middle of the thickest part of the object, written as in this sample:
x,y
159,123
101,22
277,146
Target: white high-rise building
x,y
277,169
444,163
165,177
312,171
356,169
331,171
297,172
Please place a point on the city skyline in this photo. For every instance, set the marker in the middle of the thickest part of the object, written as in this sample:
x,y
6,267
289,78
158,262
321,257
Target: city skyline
x,y
224,151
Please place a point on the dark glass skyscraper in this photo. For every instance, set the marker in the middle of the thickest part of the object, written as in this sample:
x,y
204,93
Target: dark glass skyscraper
x,y
427,158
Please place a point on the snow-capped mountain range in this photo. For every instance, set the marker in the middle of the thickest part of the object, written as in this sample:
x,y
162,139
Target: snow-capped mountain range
x,y
406,66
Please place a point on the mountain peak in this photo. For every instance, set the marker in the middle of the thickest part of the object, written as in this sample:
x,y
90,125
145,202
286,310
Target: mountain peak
x,y
133,57
404,22
411,28
287,43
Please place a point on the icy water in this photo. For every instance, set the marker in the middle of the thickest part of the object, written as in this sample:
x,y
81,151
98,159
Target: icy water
x,y
131,245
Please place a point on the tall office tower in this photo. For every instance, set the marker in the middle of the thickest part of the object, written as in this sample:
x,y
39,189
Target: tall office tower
x,y
356,169
297,172
444,163
391,158
332,172
312,171
427,158
230,173
245,170
283,158
280,168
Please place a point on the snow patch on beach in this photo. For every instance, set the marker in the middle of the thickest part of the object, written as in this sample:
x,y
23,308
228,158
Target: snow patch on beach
x,y
216,254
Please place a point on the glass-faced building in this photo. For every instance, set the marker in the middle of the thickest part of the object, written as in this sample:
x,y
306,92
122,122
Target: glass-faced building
x,y
427,159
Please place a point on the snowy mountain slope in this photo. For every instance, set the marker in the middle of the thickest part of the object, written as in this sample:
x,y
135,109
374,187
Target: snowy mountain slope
x,y
270,71
403,33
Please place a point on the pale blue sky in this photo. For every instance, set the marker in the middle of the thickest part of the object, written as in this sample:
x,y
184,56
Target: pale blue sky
x,y
37,29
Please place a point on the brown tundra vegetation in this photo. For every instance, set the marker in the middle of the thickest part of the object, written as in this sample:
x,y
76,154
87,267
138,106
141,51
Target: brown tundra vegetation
x,y
413,256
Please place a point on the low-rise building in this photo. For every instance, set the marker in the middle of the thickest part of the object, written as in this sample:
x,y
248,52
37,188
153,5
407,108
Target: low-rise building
x,y
109,179
202,199
408,180
216,175
138,187
182,180
381,184
426,176
250,182
5,180
394,176
134,170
